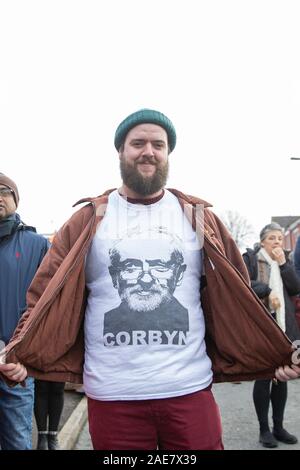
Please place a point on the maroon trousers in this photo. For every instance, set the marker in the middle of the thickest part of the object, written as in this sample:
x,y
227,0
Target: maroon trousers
x,y
181,423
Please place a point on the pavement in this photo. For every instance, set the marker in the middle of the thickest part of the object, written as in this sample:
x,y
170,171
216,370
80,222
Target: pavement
x,y
239,422
70,432
71,422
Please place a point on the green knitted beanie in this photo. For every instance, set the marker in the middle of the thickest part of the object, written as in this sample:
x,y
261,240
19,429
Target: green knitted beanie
x,y
141,117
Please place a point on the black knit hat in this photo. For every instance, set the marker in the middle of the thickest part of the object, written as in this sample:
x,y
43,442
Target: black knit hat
x,y
141,117
6,181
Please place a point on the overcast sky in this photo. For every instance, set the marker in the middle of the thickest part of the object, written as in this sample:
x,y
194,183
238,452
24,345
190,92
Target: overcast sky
x,y
227,73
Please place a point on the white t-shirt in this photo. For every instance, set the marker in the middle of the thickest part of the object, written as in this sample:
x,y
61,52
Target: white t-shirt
x,y
144,325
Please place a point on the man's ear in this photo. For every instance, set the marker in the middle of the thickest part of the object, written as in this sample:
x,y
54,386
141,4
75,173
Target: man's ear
x,y
114,277
120,151
180,273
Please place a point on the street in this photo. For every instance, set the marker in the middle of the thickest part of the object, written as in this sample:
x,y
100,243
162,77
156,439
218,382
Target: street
x,y
240,426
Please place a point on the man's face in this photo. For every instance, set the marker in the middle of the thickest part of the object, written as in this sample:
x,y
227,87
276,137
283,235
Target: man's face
x,y
147,283
144,159
7,202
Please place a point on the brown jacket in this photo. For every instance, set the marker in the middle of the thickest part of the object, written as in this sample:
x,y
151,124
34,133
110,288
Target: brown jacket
x,y
243,341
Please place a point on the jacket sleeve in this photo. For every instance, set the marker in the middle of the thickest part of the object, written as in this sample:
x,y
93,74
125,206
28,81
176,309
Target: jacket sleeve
x,y
45,245
297,257
62,243
49,265
44,249
261,289
290,279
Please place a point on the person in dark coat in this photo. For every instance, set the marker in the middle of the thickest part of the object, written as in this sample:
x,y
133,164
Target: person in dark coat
x,y
274,280
21,253
296,261
297,257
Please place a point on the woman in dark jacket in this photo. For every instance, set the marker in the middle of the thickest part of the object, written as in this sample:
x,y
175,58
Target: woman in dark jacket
x,y
274,280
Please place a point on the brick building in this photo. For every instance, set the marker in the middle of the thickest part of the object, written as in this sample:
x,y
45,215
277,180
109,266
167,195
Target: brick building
x,y
291,225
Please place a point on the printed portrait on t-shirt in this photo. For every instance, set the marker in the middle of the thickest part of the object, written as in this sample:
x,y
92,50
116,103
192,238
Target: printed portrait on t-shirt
x,y
146,273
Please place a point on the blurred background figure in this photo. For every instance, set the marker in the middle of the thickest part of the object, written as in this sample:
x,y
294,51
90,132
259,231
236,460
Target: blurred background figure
x,y
21,253
274,280
296,259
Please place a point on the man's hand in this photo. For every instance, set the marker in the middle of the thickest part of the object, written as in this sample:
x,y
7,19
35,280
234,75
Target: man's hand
x,y
15,372
274,301
287,373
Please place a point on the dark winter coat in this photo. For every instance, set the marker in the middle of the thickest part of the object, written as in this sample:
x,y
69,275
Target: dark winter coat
x,y
297,257
21,253
291,287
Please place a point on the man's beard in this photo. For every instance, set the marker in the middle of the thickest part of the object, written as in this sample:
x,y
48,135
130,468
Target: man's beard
x,y
145,186
152,299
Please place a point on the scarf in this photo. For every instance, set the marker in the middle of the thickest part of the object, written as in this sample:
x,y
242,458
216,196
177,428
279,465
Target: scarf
x,y
275,283
9,225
